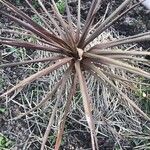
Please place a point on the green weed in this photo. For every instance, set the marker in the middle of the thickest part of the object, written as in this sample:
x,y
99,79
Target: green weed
x,y
61,6
2,110
5,143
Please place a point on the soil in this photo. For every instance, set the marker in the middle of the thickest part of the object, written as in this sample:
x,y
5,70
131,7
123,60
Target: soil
x,y
76,135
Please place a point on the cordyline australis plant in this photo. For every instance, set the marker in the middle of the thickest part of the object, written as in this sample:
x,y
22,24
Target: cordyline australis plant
x,y
72,44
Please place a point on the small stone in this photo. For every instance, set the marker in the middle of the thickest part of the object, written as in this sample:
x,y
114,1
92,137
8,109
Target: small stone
x,y
146,3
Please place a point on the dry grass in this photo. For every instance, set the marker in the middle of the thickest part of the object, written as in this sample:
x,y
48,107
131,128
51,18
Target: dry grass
x,y
115,115
114,120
